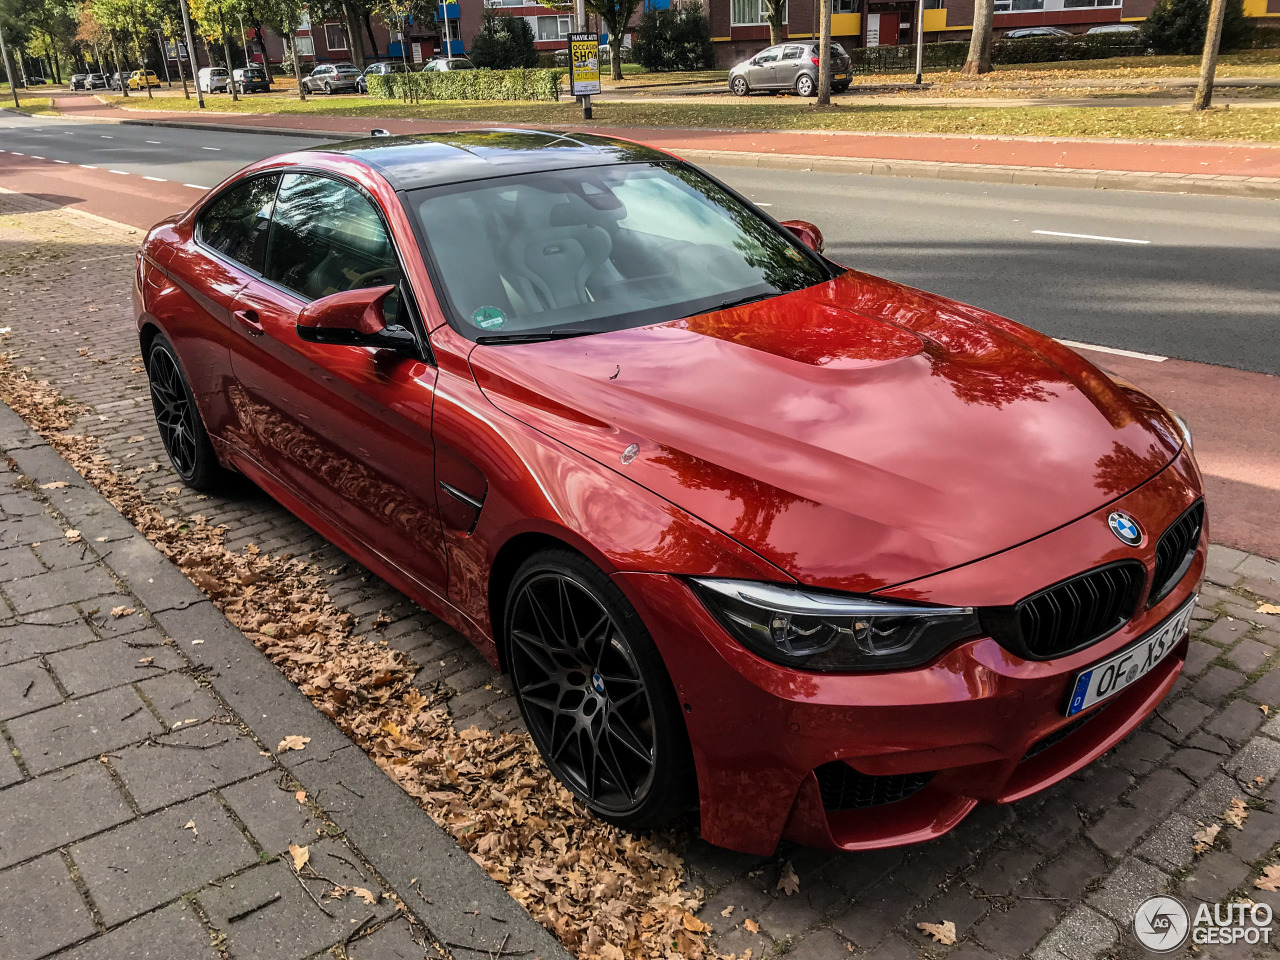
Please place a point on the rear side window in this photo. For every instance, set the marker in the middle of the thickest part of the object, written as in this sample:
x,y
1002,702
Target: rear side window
x,y
792,53
237,222
328,237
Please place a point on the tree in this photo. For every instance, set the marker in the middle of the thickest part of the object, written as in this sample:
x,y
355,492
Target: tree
x,y
824,57
616,15
214,18
1179,26
131,19
979,61
776,10
284,17
503,42
399,13
90,33
674,39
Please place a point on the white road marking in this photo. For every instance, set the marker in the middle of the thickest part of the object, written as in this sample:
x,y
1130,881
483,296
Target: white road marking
x,y
195,186
210,148
106,136
62,161
88,167
152,141
1075,345
17,154
123,173
156,179
1088,236
34,157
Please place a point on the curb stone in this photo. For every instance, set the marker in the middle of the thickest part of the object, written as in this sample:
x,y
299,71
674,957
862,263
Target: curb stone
x,y
395,835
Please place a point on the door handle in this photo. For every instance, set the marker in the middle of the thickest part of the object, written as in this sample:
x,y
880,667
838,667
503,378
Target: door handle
x,y
250,319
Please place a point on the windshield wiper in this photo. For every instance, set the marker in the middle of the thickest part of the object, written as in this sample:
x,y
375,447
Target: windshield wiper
x,y
532,337
741,301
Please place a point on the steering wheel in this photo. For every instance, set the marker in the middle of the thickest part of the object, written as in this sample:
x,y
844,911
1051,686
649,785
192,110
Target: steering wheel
x,y
391,272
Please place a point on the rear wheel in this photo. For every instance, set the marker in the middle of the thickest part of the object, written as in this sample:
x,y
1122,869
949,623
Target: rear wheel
x,y
328,87
594,692
839,87
739,87
181,430
805,86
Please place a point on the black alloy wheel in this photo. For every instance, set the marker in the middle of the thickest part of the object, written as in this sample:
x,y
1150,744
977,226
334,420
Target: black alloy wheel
x,y
181,430
594,693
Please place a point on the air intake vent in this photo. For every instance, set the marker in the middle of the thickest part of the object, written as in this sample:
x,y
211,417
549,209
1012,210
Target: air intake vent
x,y
1070,615
844,788
1175,550
1055,738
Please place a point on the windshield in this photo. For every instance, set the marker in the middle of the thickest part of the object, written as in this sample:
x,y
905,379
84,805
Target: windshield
x,y
589,250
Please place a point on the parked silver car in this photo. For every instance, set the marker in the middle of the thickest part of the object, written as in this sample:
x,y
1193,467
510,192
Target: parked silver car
x,y
1023,33
1113,28
790,66
445,64
382,69
333,78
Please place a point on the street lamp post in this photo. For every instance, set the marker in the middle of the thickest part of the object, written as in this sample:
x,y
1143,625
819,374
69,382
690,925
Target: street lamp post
x,y
920,44
191,52
8,69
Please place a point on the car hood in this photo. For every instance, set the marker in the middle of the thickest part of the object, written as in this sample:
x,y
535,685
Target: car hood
x,y
857,434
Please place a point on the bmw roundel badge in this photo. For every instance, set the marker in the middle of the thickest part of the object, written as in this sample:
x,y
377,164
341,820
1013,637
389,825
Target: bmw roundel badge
x,y
1125,528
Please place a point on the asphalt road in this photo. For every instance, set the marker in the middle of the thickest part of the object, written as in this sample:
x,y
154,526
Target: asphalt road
x,y
1182,294
1195,278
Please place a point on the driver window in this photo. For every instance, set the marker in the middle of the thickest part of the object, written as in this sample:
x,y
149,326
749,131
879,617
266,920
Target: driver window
x,y
327,237
768,56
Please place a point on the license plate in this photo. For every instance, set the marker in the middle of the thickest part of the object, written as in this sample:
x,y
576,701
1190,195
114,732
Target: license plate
x,y
1106,679
841,76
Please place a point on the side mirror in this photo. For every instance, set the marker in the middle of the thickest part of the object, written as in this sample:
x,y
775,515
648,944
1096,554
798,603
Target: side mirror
x,y
806,233
353,318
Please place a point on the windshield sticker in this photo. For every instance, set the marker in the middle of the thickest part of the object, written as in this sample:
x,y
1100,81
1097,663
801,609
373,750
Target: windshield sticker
x,y
489,318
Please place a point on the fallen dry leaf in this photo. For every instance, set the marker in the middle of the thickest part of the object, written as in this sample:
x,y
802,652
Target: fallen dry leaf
x,y
301,796
728,911
751,925
300,855
119,612
944,932
135,439
191,825
1237,813
788,882
293,742
1268,608
73,536
1264,708
1270,879
56,485
368,896
1203,838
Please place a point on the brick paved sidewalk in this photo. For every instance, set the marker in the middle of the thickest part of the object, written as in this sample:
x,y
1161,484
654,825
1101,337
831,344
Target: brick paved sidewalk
x,y
1055,876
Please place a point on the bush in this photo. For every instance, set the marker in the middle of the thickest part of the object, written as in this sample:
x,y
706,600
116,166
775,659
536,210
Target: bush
x,y
674,39
1178,26
521,84
951,55
504,42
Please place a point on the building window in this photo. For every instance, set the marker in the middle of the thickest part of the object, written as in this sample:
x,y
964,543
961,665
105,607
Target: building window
x,y
306,46
1013,6
1070,4
335,38
551,28
509,3
751,13
844,6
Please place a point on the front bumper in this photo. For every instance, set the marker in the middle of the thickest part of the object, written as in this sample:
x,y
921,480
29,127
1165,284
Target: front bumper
x,y
985,724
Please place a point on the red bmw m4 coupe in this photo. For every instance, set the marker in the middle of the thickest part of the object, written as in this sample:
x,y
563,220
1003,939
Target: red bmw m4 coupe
x,y
824,556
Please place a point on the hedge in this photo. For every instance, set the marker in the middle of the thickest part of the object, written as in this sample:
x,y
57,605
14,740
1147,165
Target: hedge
x,y
521,84
951,54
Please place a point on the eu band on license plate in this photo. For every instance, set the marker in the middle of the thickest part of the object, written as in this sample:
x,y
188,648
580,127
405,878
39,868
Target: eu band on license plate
x,y
1105,679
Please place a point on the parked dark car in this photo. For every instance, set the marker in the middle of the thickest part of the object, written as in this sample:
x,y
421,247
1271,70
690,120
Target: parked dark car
x,y
36,81
251,80
333,78
382,69
96,81
1024,33
79,81
790,66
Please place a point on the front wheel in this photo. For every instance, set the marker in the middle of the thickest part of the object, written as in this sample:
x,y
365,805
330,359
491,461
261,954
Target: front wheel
x,y
738,86
181,430
805,86
594,692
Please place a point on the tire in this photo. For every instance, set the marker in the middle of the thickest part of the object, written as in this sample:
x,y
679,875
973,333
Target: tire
x,y
839,88
805,87
594,692
738,87
178,419
328,88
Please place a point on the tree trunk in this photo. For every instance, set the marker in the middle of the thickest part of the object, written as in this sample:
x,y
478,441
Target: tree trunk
x,y
142,67
824,56
177,50
231,77
615,55
775,22
1209,62
979,61
115,52
368,28
297,67
351,26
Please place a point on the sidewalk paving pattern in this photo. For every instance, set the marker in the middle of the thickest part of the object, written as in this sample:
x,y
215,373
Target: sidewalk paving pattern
x,y
143,805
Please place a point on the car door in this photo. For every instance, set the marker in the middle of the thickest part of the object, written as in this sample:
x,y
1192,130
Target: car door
x,y
762,74
789,65
347,430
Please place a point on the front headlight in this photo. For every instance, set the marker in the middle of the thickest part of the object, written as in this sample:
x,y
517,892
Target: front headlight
x,y
827,632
